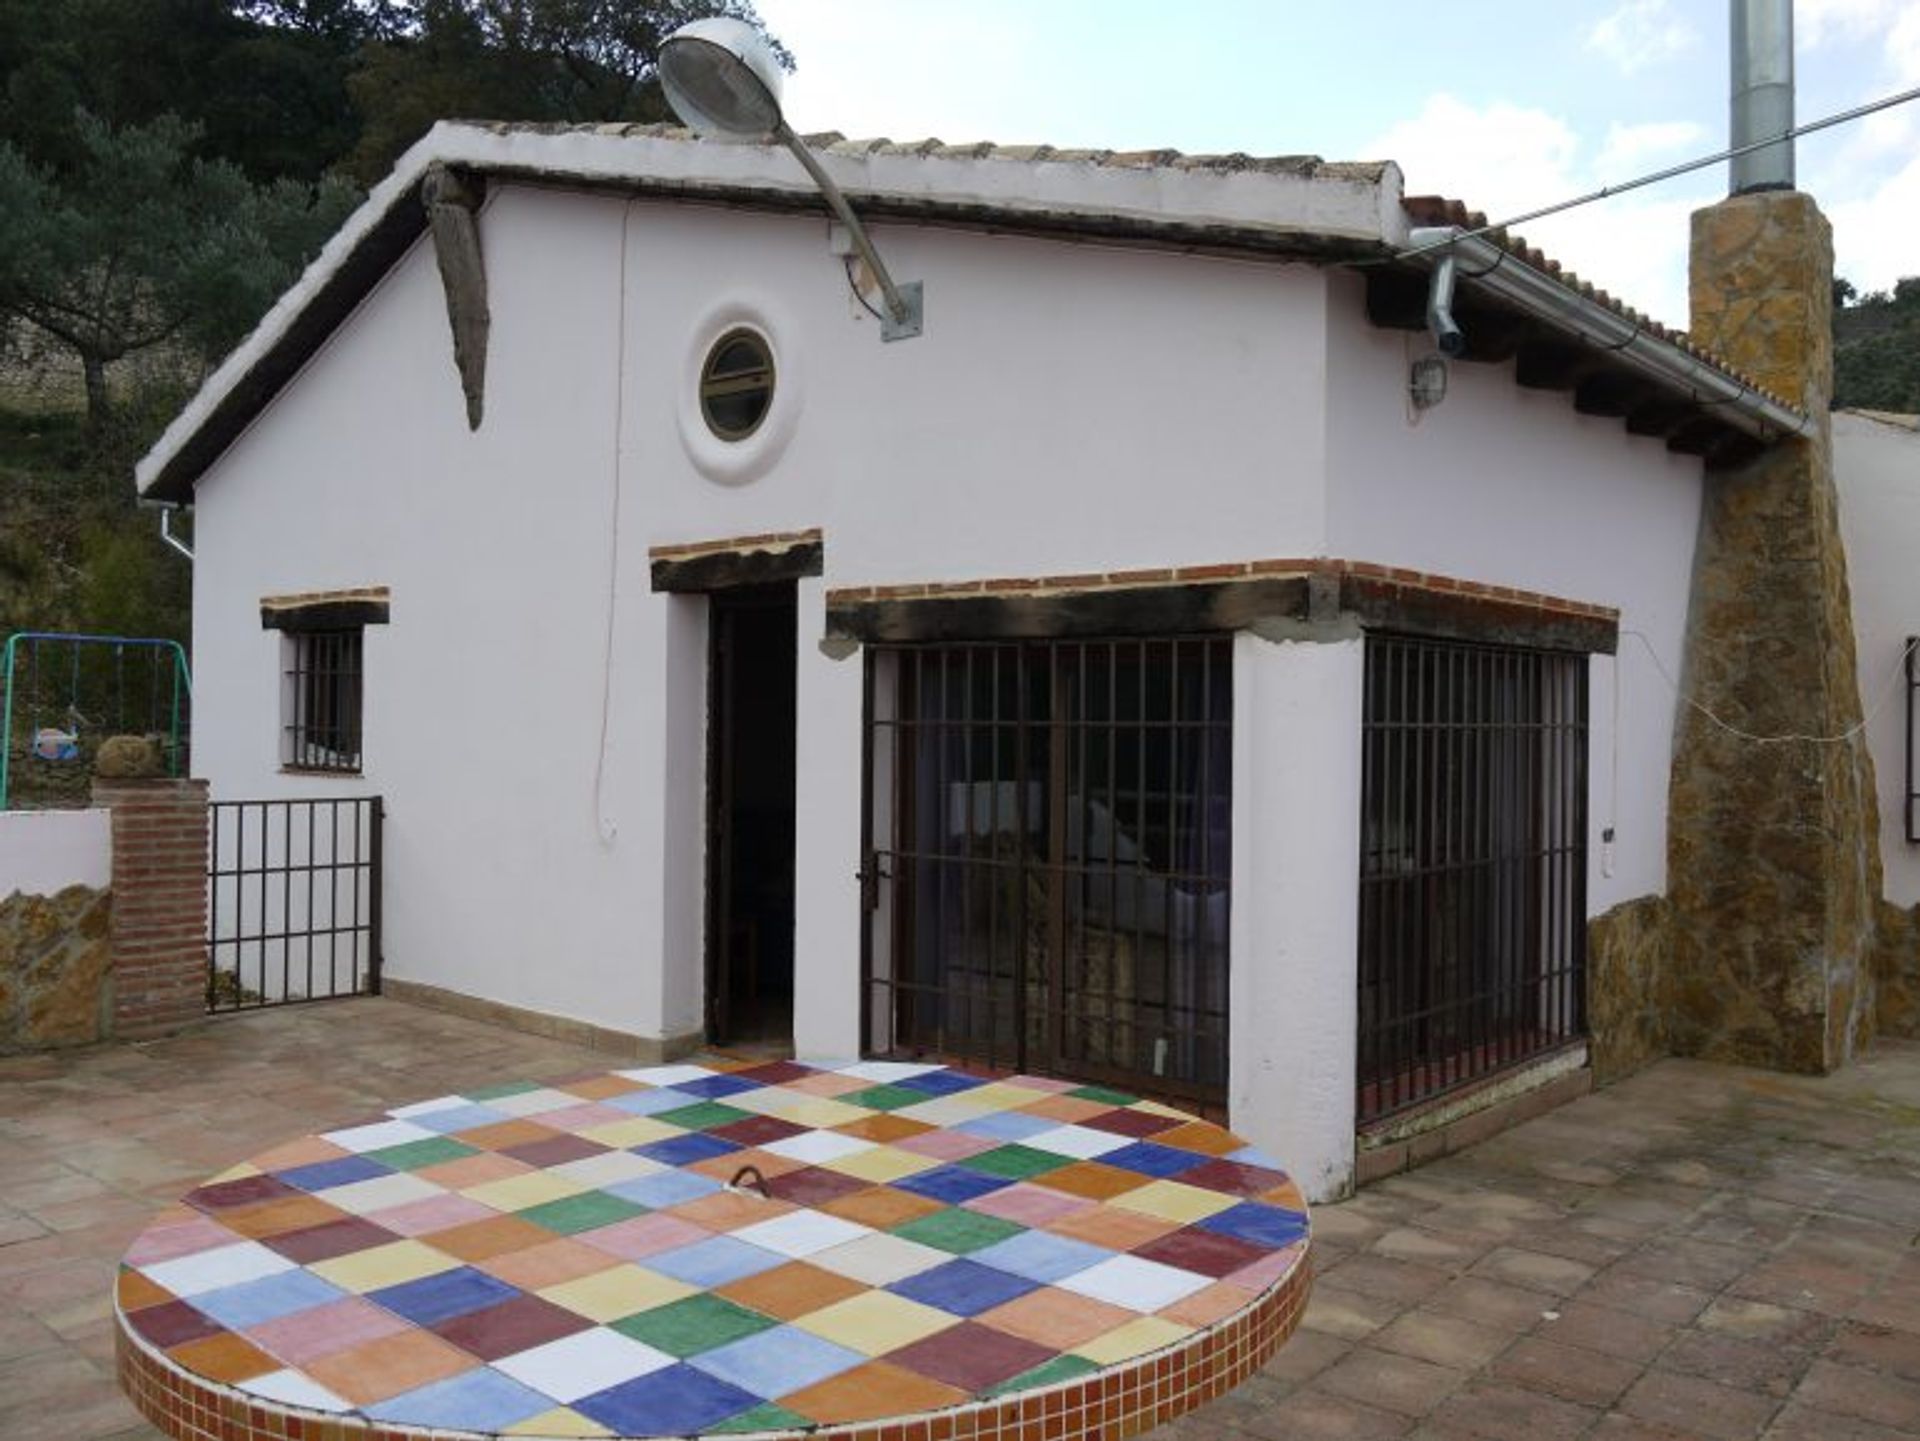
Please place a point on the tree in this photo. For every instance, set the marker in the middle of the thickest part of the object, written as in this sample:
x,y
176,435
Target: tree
x,y
571,61
1876,348
139,243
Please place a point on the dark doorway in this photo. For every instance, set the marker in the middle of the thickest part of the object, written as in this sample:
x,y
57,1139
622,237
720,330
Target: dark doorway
x,y
750,783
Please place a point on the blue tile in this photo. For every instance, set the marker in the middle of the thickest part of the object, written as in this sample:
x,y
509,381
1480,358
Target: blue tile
x,y
252,1302
1008,1125
685,1150
479,1400
1147,1159
775,1362
343,1172
433,1299
1253,1221
647,1102
1041,1256
942,1083
669,1188
952,1184
963,1287
678,1401
710,1088
458,1118
714,1262
1254,1156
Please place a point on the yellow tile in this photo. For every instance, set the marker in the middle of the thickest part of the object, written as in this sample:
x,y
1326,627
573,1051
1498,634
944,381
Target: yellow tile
x,y
1160,1108
876,1322
618,1291
560,1421
516,1193
999,1096
1136,1338
881,1164
639,1131
951,1110
233,1173
1174,1201
822,1112
383,1266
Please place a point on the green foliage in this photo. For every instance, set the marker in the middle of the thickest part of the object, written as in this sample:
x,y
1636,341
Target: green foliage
x,y
140,242
1876,350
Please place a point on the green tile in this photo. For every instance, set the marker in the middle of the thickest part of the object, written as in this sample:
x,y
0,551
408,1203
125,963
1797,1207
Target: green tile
x,y
957,1230
504,1088
886,1098
583,1212
699,1323
1016,1163
703,1116
765,1417
414,1154
1047,1373
1101,1093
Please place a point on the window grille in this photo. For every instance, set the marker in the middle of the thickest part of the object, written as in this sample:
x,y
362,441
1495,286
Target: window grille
x,y
1473,864
1048,848
320,700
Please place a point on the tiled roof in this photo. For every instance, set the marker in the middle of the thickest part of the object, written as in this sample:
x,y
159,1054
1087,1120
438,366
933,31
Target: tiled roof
x,y
1440,210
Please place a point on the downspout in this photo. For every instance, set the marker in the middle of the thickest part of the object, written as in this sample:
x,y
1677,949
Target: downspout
x,y
166,509
1440,321
1511,279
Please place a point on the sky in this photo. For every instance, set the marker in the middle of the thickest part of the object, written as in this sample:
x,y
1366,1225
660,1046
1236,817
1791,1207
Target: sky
x,y
1508,106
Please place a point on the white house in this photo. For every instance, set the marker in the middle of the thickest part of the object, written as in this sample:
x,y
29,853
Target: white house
x,y
1126,678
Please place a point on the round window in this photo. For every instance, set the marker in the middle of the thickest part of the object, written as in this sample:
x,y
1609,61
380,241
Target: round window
x,y
736,384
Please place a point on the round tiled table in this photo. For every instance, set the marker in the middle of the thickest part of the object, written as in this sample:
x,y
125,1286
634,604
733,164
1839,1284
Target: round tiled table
x,y
938,1256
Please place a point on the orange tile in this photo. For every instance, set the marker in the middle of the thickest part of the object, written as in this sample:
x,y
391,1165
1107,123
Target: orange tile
x,y
1208,1140
1207,1306
136,1291
503,1134
869,1392
1066,1109
225,1357
724,1168
552,1264
884,1127
1287,1196
1092,1180
378,1369
1115,1229
791,1291
473,1171
729,1210
495,1236
1057,1318
307,1151
276,1218
881,1207
598,1088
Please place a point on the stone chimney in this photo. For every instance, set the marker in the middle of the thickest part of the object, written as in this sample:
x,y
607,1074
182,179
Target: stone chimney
x,y
1773,858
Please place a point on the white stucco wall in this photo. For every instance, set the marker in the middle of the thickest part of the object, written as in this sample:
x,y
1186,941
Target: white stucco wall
x,y
44,852
1513,487
1876,466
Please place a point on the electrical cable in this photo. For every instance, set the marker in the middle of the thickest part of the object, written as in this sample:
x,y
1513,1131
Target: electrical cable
x,y
846,262
603,827
1846,737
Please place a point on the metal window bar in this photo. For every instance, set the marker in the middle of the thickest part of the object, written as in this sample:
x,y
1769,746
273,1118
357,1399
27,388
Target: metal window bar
x,y
323,694
1048,833
293,901
1473,864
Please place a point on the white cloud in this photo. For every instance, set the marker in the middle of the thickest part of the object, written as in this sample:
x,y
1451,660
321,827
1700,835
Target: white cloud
x,y
1639,33
1873,235
1823,22
1628,149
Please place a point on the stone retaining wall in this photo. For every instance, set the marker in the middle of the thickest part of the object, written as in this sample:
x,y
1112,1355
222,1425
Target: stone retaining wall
x,y
54,960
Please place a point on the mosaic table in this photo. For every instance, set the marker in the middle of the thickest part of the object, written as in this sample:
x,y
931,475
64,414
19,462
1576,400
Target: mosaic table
x,y
939,1256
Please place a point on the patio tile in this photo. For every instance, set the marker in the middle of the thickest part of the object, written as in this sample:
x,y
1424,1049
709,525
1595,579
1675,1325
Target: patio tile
x,y
1390,1381
698,1323
1570,1372
875,1322
870,1392
791,1291
775,1362
579,1365
517,1324
678,1400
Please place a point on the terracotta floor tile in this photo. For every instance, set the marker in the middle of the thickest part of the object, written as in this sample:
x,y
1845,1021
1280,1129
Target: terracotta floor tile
x,y
791,1291
881,1207
1201,1136
598,1088
1116,1230
475,1170
869,1392
1056,1318
224,1358
481,1240
273,1218
1092,1180
502,1134
884,1128
729,1210
549,1264
135,1291
378,1369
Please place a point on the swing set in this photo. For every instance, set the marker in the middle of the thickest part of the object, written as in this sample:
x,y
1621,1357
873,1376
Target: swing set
x,y
64,694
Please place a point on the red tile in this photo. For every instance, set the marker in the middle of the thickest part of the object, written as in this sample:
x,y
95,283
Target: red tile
x,y
971,1356
511,1326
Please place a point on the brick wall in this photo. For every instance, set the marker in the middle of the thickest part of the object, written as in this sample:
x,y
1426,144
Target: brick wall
x,y
159,931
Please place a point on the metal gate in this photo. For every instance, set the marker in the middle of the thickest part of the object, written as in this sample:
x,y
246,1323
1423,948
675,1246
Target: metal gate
x,y
1048,853
293,901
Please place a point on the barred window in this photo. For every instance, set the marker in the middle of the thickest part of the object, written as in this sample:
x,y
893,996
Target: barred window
x,y
320,700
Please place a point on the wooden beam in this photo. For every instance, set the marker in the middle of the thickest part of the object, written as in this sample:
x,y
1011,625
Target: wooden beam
x,y
727,569
1397,299
452,199
1612,393
1657,416
1554,365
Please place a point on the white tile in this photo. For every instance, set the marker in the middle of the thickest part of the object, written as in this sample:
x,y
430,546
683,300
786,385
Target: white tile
x,y
1137,1284
222,1266
801,1233
948,1110
884,1071
879,1259
532,1103
578,1365
292,1388
379,1134
607,1169
427,1108
667,1075
813,1147
1081,1141
361,1197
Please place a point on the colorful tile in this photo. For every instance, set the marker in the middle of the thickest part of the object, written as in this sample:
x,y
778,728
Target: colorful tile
x,y
376,1370
669,1188
1174,1201
1041,1256
441,1297
697,1324
210,1270
383,1266
413,1155
552,1263
814,1147
880,1207
963,1287
294,1389
1056,1318
1028,1205
583,1363
583,1211
679,1150
306,1336
252,1302
173,1323
616,1292
796,1289
1264,1225
495,1236
560,1421
883,1165
971,1357
481,1400
677,1401
381,1193
714,1261
517,1193
951,1184
772,1363
515,1325
799,1234
958,1231
1136,1338
875,1322
378,1136
435,1213
880,1260
875,1390
1133,1283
